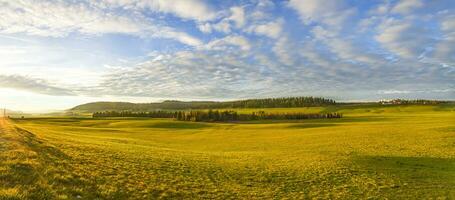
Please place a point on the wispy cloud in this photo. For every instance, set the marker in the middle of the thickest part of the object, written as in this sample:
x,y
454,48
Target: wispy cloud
x,y
404,38
223,44
187,9
62,18
332,13
33,85
407,6
271,29
186,74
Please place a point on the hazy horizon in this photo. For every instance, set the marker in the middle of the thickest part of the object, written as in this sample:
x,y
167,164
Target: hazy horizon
x,y
55,55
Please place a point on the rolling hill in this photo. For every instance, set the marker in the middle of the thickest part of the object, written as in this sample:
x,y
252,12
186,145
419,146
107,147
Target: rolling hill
x,y
180,105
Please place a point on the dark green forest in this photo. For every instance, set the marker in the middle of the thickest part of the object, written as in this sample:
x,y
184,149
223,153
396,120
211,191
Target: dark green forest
x,y
217,116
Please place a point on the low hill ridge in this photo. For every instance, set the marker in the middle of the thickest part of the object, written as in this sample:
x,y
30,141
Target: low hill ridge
x,y
175,105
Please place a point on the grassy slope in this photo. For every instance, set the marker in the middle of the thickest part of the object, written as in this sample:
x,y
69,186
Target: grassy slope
x,y
394,151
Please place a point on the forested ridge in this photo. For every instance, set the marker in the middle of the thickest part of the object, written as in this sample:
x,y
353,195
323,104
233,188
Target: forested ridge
x,y
284,102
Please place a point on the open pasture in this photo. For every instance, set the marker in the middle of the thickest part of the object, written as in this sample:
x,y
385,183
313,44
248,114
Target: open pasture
x,y
372,152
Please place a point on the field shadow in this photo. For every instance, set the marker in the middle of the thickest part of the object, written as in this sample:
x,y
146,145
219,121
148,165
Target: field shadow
x,y
37,145
445,107
178,125
38,169
333,121
404,176
307,125
407,163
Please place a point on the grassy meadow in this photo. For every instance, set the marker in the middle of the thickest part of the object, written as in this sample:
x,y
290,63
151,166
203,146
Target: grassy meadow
x,y
395,152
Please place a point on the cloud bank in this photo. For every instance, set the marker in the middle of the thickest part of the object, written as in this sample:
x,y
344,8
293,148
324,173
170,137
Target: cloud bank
x,y
243,49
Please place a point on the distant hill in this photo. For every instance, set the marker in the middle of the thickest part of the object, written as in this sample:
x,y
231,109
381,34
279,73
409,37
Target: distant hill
x,y
100,106
180,105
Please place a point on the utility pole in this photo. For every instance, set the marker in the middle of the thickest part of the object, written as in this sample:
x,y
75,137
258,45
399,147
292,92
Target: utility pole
x,y
4,112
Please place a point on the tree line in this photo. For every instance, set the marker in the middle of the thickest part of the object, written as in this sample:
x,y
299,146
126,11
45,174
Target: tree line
x,y
218,116
283,102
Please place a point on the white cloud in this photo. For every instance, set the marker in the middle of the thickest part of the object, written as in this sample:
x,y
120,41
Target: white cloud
x,y
445,49
235,17
284,51
407,6
238,16
271,29
182,37
381,9
61,18
192,9
333,13
448,23
33,85
205,28
321,33
367,24
228,41
222,26
58,19
348,51
404,38
310,53
262,10
187,74
187,9
343,48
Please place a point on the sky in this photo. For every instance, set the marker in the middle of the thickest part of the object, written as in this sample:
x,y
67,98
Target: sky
x,y
55,54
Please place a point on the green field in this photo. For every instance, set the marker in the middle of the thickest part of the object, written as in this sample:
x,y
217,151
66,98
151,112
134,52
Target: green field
x,y
395,152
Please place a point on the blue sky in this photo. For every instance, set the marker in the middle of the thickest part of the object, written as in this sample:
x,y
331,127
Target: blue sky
x,y
55,54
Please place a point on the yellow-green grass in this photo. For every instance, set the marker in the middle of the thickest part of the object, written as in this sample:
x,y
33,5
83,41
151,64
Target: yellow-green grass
x,y
373,152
